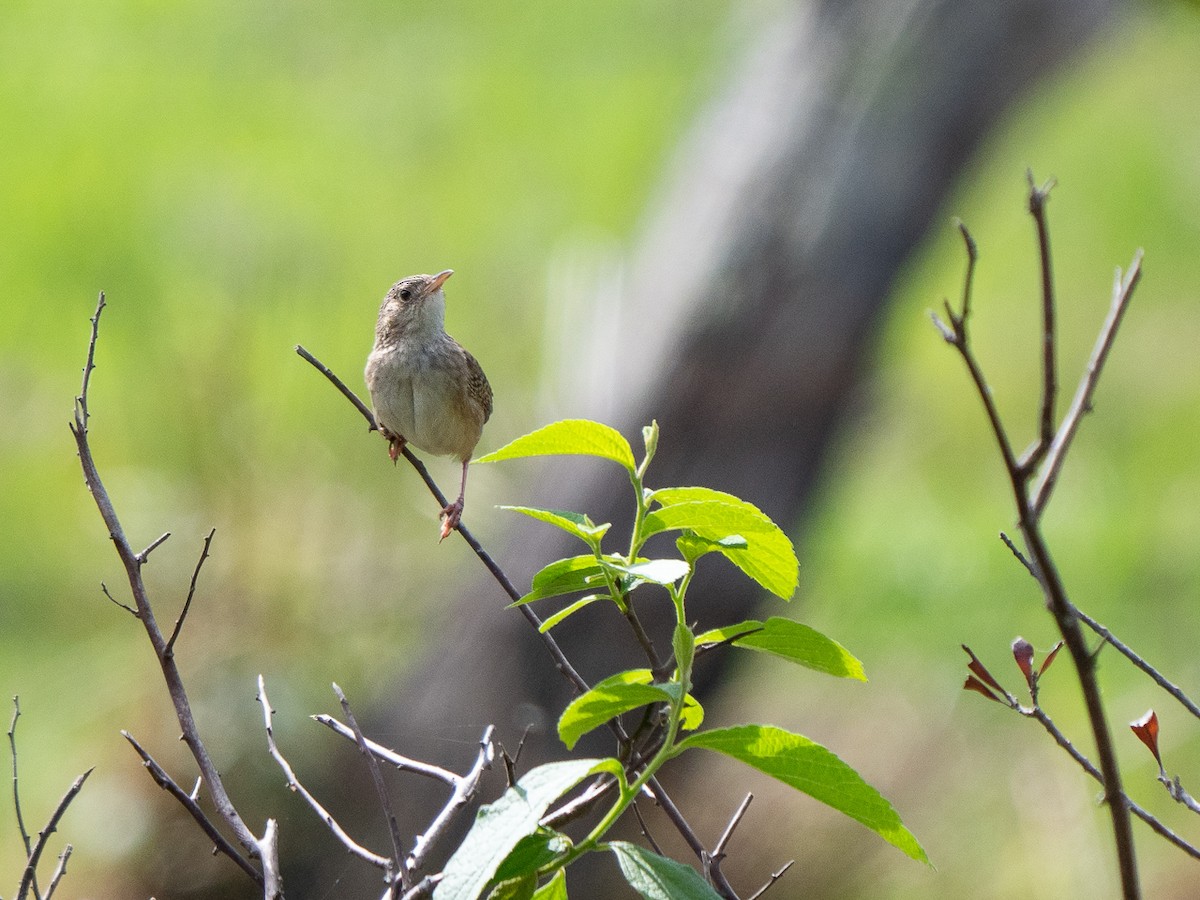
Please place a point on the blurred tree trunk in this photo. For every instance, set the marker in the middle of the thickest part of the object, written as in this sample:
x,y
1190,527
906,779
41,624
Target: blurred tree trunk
x,y
748,312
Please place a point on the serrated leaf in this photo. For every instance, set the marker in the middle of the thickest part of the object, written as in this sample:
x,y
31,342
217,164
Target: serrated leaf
x,y
571,522
792,641
609,698
500,826
768,556
655,877
691,716
570,437
807,766
554,889
563,576
566,611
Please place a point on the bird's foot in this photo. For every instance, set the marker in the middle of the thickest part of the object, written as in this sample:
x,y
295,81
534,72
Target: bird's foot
x,y
396,443
451,516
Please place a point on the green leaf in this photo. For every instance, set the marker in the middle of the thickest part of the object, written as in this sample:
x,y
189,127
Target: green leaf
x,y
811,768
656,571
609,698
518,888
692,546
768,557
570,610
791,641
500,826
564,576
571,522
554,889
658,878
570,437
531,853
691,716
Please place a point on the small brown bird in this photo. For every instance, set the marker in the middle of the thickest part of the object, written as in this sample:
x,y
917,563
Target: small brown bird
x,y
426,389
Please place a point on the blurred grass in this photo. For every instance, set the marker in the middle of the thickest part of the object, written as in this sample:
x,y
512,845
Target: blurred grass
x,y
241,177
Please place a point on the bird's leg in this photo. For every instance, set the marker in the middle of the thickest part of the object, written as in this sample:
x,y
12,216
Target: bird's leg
x,y
452,514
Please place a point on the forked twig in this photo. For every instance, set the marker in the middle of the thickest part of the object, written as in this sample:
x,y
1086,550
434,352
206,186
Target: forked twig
x,y
385,800
1038,558
35,855
293,784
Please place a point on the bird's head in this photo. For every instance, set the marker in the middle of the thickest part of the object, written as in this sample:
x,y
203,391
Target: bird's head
x,y
414,307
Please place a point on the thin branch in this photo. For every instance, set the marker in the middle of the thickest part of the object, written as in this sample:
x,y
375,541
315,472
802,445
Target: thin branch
x,y
294,785
403,763
187,603
1037,208
381,789
1082,402
129,609
645,829
189,803
1117,644
145,554
39,846
712,863
464,793
1038,714
59,871
24,832
656,792
1016,551
145,613
1040,560
775,876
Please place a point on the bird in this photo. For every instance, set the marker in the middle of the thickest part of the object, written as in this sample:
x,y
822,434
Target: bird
x,y
426,388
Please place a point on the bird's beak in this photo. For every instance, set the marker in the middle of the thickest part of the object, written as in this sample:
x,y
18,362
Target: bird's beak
x,y
439,279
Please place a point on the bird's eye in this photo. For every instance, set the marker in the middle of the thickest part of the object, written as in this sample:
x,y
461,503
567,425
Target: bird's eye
x,y
405,294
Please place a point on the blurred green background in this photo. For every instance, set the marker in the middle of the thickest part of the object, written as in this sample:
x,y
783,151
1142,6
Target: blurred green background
x,y
242,177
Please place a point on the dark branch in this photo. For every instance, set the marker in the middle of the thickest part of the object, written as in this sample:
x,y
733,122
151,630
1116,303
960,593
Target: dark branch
x,y
188,802
35,855
187,603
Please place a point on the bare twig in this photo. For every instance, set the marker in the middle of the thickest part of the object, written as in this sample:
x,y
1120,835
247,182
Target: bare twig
x,y
712,862
59,871
1037,208
145,554
192,806
187,603
645,829
464,793
1039,559
16,792
391,757
293,784
133,570
1082,402
129,609
35,855
775,876
385,801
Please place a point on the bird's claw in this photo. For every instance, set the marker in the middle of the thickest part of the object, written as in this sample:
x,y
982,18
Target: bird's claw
x,y
451,516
